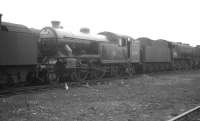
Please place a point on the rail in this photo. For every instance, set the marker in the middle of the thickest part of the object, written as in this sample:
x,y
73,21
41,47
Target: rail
x,y
190,115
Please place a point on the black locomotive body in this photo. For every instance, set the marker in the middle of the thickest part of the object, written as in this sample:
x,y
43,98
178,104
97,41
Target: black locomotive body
x,y
18,50
183,56
92,56
196,57
155,55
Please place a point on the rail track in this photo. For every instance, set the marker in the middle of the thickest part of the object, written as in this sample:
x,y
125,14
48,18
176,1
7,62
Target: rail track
x,y
10,91
190,115
25,90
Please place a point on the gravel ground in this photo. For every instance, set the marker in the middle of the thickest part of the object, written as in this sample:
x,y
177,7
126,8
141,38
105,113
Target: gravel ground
x,y
149,97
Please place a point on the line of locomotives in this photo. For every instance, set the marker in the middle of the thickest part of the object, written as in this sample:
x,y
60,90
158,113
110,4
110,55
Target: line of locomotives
x,y
53,55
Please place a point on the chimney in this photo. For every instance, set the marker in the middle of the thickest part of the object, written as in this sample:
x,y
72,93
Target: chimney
x,y
55,24
85,30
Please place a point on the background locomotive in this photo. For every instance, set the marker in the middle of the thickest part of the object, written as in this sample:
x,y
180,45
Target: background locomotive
x,y
53,55
18,50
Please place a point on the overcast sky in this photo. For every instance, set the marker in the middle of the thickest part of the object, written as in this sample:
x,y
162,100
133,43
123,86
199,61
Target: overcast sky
x,y
173,20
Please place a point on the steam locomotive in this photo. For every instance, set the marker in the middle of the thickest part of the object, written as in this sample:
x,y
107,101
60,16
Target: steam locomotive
x,y
84,57
53,55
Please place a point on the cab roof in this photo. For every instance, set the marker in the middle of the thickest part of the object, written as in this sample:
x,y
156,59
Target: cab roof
x,y
6,26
